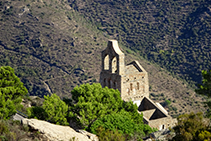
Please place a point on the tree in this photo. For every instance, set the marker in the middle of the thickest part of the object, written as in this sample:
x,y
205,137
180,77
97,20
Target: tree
x,y
205,89
96,107
11,92
7,107
10,84
192,127
123,122
93,102
37,112
56,109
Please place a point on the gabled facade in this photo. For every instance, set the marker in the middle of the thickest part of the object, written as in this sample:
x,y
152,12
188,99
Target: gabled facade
x,y
155,115
132,82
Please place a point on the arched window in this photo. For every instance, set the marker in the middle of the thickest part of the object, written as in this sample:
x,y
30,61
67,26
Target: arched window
x,y
106,62
114,65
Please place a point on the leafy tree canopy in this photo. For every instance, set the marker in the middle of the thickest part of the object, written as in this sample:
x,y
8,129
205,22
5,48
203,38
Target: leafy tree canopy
x,y
7,107
96,106
123,122
53,109
93,102
11,92
10,84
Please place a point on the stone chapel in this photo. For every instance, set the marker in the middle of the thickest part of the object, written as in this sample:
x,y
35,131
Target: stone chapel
x,y
132,82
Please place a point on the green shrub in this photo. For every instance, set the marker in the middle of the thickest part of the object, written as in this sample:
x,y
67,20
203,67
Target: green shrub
x,y
120,121
108,135
37,112
3,127
123,122
167,102
192,127
55,109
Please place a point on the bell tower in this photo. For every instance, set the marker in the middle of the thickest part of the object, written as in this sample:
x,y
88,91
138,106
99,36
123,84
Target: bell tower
x,y
113,65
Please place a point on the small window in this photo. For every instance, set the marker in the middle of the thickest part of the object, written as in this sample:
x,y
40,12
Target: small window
x,y
131,86
163,127
137,85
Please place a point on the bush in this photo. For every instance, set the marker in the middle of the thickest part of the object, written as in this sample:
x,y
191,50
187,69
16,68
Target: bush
x,y
3,127
108,135
191,127
53,110
167,102
56,110
118,121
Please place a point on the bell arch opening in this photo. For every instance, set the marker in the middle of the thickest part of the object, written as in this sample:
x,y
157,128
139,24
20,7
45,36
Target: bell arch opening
x,y
106,62
114,65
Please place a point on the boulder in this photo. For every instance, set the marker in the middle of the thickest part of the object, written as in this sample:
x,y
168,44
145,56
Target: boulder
x,y
57,132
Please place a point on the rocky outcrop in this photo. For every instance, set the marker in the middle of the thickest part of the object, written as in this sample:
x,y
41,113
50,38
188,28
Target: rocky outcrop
x,y
162,135
57,132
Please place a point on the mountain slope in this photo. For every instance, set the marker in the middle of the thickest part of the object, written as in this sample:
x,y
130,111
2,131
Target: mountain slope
x,y
46,43
53,48
174,34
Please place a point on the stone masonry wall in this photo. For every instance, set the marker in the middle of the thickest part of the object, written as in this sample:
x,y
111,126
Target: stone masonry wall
x,y
162,123
135,87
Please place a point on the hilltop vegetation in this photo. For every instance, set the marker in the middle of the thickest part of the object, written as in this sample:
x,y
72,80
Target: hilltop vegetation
x,y
54,45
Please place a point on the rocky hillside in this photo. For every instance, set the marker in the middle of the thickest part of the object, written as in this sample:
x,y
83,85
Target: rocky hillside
x,y
49,45
53,48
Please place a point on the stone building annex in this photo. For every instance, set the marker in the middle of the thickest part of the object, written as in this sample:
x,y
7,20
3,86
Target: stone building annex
x,y
132,82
